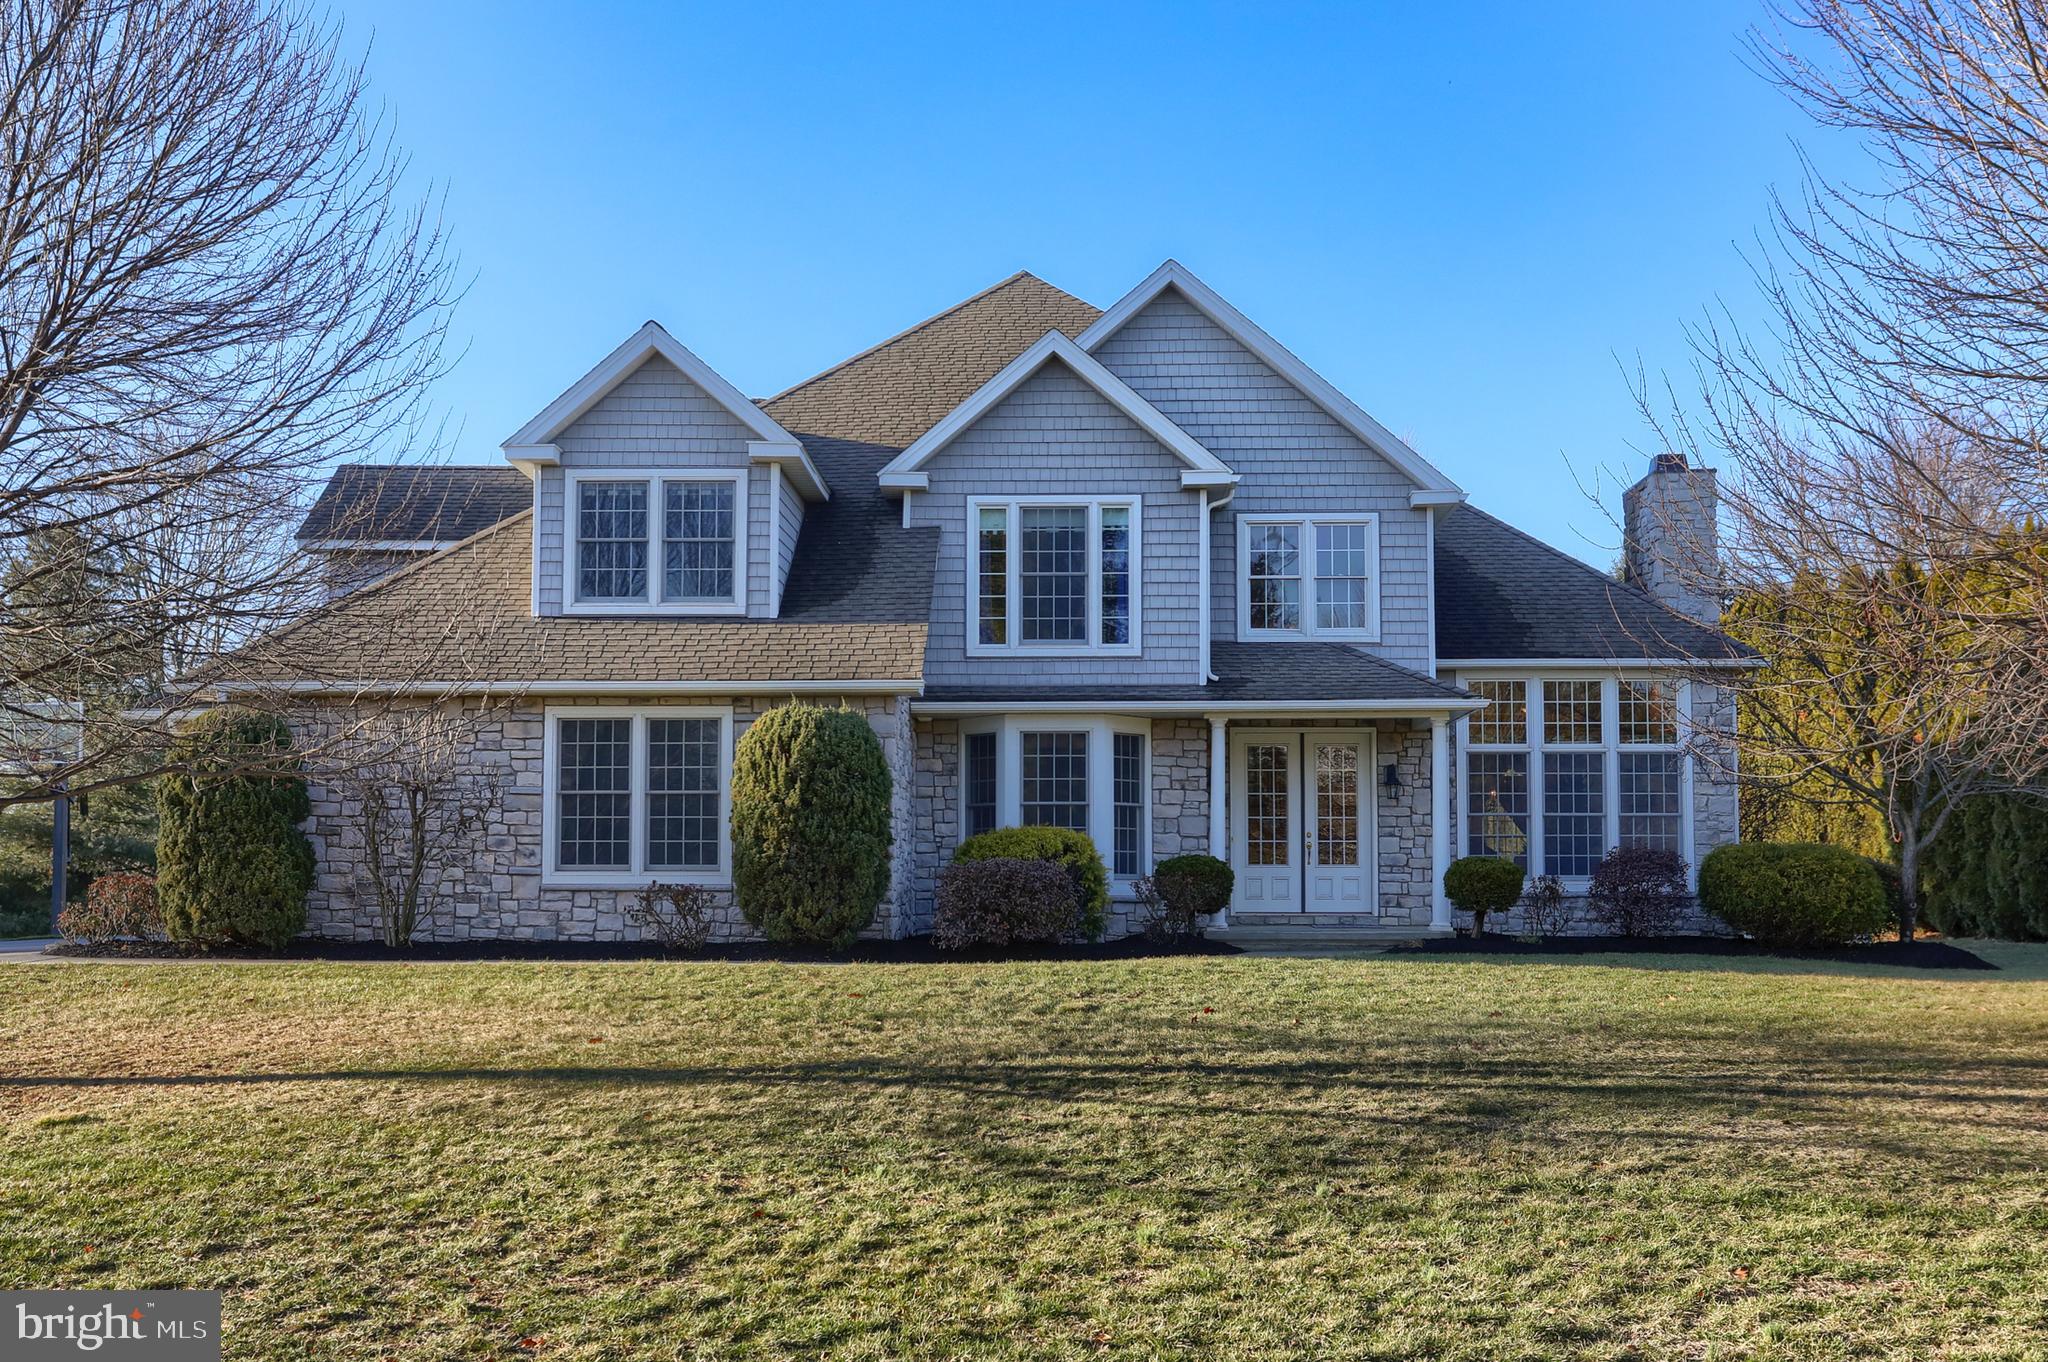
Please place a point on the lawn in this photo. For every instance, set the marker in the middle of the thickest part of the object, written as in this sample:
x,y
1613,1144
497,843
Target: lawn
x,y
1202,1158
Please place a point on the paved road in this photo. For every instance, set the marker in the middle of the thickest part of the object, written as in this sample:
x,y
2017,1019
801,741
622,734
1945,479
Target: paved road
x,y
24,948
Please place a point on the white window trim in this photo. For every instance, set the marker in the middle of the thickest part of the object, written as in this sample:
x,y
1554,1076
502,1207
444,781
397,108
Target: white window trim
x,y
1610,746
1306,521
1010,729
637,875
1013,588
652,604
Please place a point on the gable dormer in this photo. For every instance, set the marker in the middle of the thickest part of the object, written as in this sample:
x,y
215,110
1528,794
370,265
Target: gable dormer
x,y
660,489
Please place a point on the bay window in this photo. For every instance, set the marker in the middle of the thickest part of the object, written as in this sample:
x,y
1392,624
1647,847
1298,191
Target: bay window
x,y
1308,576
668,542
1556,770
1091,775
632,796
1053,576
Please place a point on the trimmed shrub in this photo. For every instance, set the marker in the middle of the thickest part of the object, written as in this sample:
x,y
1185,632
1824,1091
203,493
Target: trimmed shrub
x,y
1073,850
1483,884
119,904
232,863
1794,893
1638,891
1001,901
1181,891
1543,908
810,824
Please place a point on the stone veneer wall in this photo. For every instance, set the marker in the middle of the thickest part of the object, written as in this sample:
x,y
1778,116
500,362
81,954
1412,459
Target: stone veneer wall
x,y
500,895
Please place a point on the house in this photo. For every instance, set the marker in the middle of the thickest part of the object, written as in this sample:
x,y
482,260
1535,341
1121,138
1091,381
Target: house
x,y
1140,572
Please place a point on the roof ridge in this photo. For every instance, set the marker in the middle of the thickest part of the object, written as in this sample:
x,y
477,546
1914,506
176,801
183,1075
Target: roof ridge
x,y
916,327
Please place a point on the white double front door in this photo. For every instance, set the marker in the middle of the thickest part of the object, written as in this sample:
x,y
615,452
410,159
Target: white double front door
x,y
1303,835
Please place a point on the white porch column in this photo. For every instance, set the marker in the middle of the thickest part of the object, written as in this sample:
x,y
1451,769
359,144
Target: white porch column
x,y
1439,822
1219,783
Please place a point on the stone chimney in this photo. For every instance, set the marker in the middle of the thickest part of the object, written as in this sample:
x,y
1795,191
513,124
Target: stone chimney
x,y
1667,523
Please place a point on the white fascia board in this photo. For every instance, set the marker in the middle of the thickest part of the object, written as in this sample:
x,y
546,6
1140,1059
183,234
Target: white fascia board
x,y
530,457
511,687
1235,708
637,349
1420,499
376,545
906,482
795,463
1608,664
1254,338
1055,345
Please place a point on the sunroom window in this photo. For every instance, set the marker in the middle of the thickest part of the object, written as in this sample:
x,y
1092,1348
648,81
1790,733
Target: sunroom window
x,y
1053,576
669,542
1309,576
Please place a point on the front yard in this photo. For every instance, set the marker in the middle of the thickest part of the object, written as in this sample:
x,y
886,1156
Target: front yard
x,y
1385,1158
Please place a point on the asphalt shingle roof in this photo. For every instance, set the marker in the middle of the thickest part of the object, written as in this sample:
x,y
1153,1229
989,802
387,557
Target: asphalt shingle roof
x,y
1501,593
1246,673
442,502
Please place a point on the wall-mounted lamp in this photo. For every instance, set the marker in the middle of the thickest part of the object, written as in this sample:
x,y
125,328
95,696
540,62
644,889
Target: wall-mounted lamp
x,y
1390,780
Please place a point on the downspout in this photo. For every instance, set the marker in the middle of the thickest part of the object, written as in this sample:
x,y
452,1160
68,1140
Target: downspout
x,y
1207,608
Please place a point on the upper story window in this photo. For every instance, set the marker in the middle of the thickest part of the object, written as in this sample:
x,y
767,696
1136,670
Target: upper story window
x,y
1309,576
668,542
1053,575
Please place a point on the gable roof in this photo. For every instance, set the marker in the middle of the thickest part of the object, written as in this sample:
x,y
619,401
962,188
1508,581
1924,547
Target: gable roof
x,y
1503,595
894,391
534,441
1200,467
412,505
1433,487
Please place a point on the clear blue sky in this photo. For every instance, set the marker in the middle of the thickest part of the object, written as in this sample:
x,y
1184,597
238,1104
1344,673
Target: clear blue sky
x,y
1461,221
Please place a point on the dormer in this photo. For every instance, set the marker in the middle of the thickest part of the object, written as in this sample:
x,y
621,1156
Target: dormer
x,y
660,489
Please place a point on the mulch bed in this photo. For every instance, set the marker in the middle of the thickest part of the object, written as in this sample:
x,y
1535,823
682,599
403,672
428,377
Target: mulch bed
x,y
1912,954
916,950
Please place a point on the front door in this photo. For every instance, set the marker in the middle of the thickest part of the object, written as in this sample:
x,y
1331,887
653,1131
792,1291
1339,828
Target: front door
x,y
1302,835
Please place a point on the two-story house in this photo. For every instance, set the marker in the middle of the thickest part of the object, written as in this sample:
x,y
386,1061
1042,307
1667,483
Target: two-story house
x,y
1139,572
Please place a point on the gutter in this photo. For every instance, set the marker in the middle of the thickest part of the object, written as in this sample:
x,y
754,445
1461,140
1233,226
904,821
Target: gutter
x,y
490,687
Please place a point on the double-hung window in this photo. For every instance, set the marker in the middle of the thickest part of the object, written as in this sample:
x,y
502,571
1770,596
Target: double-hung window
x,y
1649,766
1574,777
666,542
636,795
1497,772
1052,576
1092,775
1308,576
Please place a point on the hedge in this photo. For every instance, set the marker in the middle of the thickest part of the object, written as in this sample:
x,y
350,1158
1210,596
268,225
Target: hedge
x,y
1794,893
1074,850
1987,873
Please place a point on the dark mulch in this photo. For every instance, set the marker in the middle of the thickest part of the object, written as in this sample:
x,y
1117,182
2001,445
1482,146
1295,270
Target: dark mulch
x,y
916,950
1912,954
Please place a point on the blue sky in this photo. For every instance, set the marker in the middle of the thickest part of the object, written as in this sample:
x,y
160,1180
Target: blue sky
x,y
1469,223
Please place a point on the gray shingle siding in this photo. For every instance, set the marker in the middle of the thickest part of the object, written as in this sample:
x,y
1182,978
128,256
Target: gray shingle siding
x,y
1056,435
1291,455
790,514
654,417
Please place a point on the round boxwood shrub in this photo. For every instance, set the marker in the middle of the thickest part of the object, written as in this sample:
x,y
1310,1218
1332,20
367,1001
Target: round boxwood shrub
x,y
1794,893
810,824
1003,900
232,862
1483,884
1074,850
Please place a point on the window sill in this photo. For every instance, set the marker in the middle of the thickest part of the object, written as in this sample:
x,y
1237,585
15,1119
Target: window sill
x,y
627,880
643,608
1017,650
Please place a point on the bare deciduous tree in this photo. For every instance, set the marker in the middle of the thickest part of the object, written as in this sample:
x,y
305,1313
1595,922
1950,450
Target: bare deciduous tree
x,y
211,290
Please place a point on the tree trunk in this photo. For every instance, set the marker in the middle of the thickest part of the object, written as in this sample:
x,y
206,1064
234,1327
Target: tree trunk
x,y
1909,886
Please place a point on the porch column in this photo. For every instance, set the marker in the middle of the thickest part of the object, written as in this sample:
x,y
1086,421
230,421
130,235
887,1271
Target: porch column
x,y
1219,783
1439,822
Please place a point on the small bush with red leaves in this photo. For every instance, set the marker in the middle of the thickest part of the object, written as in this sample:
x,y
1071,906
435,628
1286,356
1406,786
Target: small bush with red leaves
x,y
1002,901
1638,891
121,904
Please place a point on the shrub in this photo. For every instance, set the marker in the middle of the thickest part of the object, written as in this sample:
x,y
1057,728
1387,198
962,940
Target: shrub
x,y
1543,908
1071,849
1987,873
119,904
676,915
810,824
1894,882
232,863
1794,893
1483,884
1002,900
1181,891
1638,891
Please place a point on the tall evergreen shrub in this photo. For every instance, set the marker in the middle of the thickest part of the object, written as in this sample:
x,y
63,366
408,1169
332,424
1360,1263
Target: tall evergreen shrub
x,y
810,824
1987,873
232,862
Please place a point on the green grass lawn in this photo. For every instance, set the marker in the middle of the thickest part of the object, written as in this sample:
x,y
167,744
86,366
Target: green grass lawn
x,y
1203,1158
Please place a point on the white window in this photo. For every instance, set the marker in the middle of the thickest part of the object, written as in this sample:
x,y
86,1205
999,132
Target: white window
x,y
1053,576
1088,774
666,542
1308,576
1558,769
631,796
